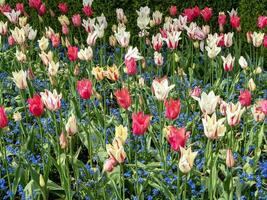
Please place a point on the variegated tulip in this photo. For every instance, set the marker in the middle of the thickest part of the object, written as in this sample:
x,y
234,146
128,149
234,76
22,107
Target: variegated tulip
x,y
12,16
186,161
123,37
43,43
213,129
228,62
158,58
52,101
161,88
228,39
157,42
98,73
46,57
85,54
121,132
71,126
257,112
3,28
20,79
53,68
207,102
157,17
234,113
112,73
116,150
91,39
257,39
172,39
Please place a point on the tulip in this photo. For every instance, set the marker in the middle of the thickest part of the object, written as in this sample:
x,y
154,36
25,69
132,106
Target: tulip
x,y
161,88
228,62
121,132
196,92
228,39
223,106
245,98
158,58
112,40
221,20
63,20
257,39
251,85
157,42
35,4
72,53
213,51
262,22
63,141
51,100
98,73
130,59
196,11
42,9
249,36
123,98
20,7
173,108
176,137
91,39
206,13
23,22
207,102
53,68
173,10
3,28
263,105
43,43
213,129
123,37
18,35
36,105
157,17
46,58
140,123
32,34
76,20
11,40
242,62
181,22
120,14
85,54
258,113
65,29
12,16
116,150
109,164
19,79
55,39
172,39
87,10
63,7
235,22
230,161
71,126
17,116
112,73
221,41
21,57
84,88
186,161
190,14
3,118
234,113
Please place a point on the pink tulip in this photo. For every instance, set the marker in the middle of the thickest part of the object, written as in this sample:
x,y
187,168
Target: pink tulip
x,y
173,10
262,22
76,20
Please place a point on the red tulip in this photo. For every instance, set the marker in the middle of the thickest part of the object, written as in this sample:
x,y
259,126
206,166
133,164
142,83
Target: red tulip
x,y
140,123
3,118
173,108
263,104
84,88
131,66
42,10
20,7
63,7
235,22
221,41
173,10
265,41
222,19
36,105
245,98
189,13
76,20
196,11
5,8
176,137
123,98
262,22
206,13
35,4
55,40
87,10
72,53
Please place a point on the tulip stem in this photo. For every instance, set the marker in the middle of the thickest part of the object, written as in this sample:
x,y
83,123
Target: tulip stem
x,y
123,183
178,179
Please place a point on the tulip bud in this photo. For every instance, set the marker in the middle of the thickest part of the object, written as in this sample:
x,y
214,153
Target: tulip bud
x,y
258,70
17,116
41,180
112,41
251,85
63,142
230,161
